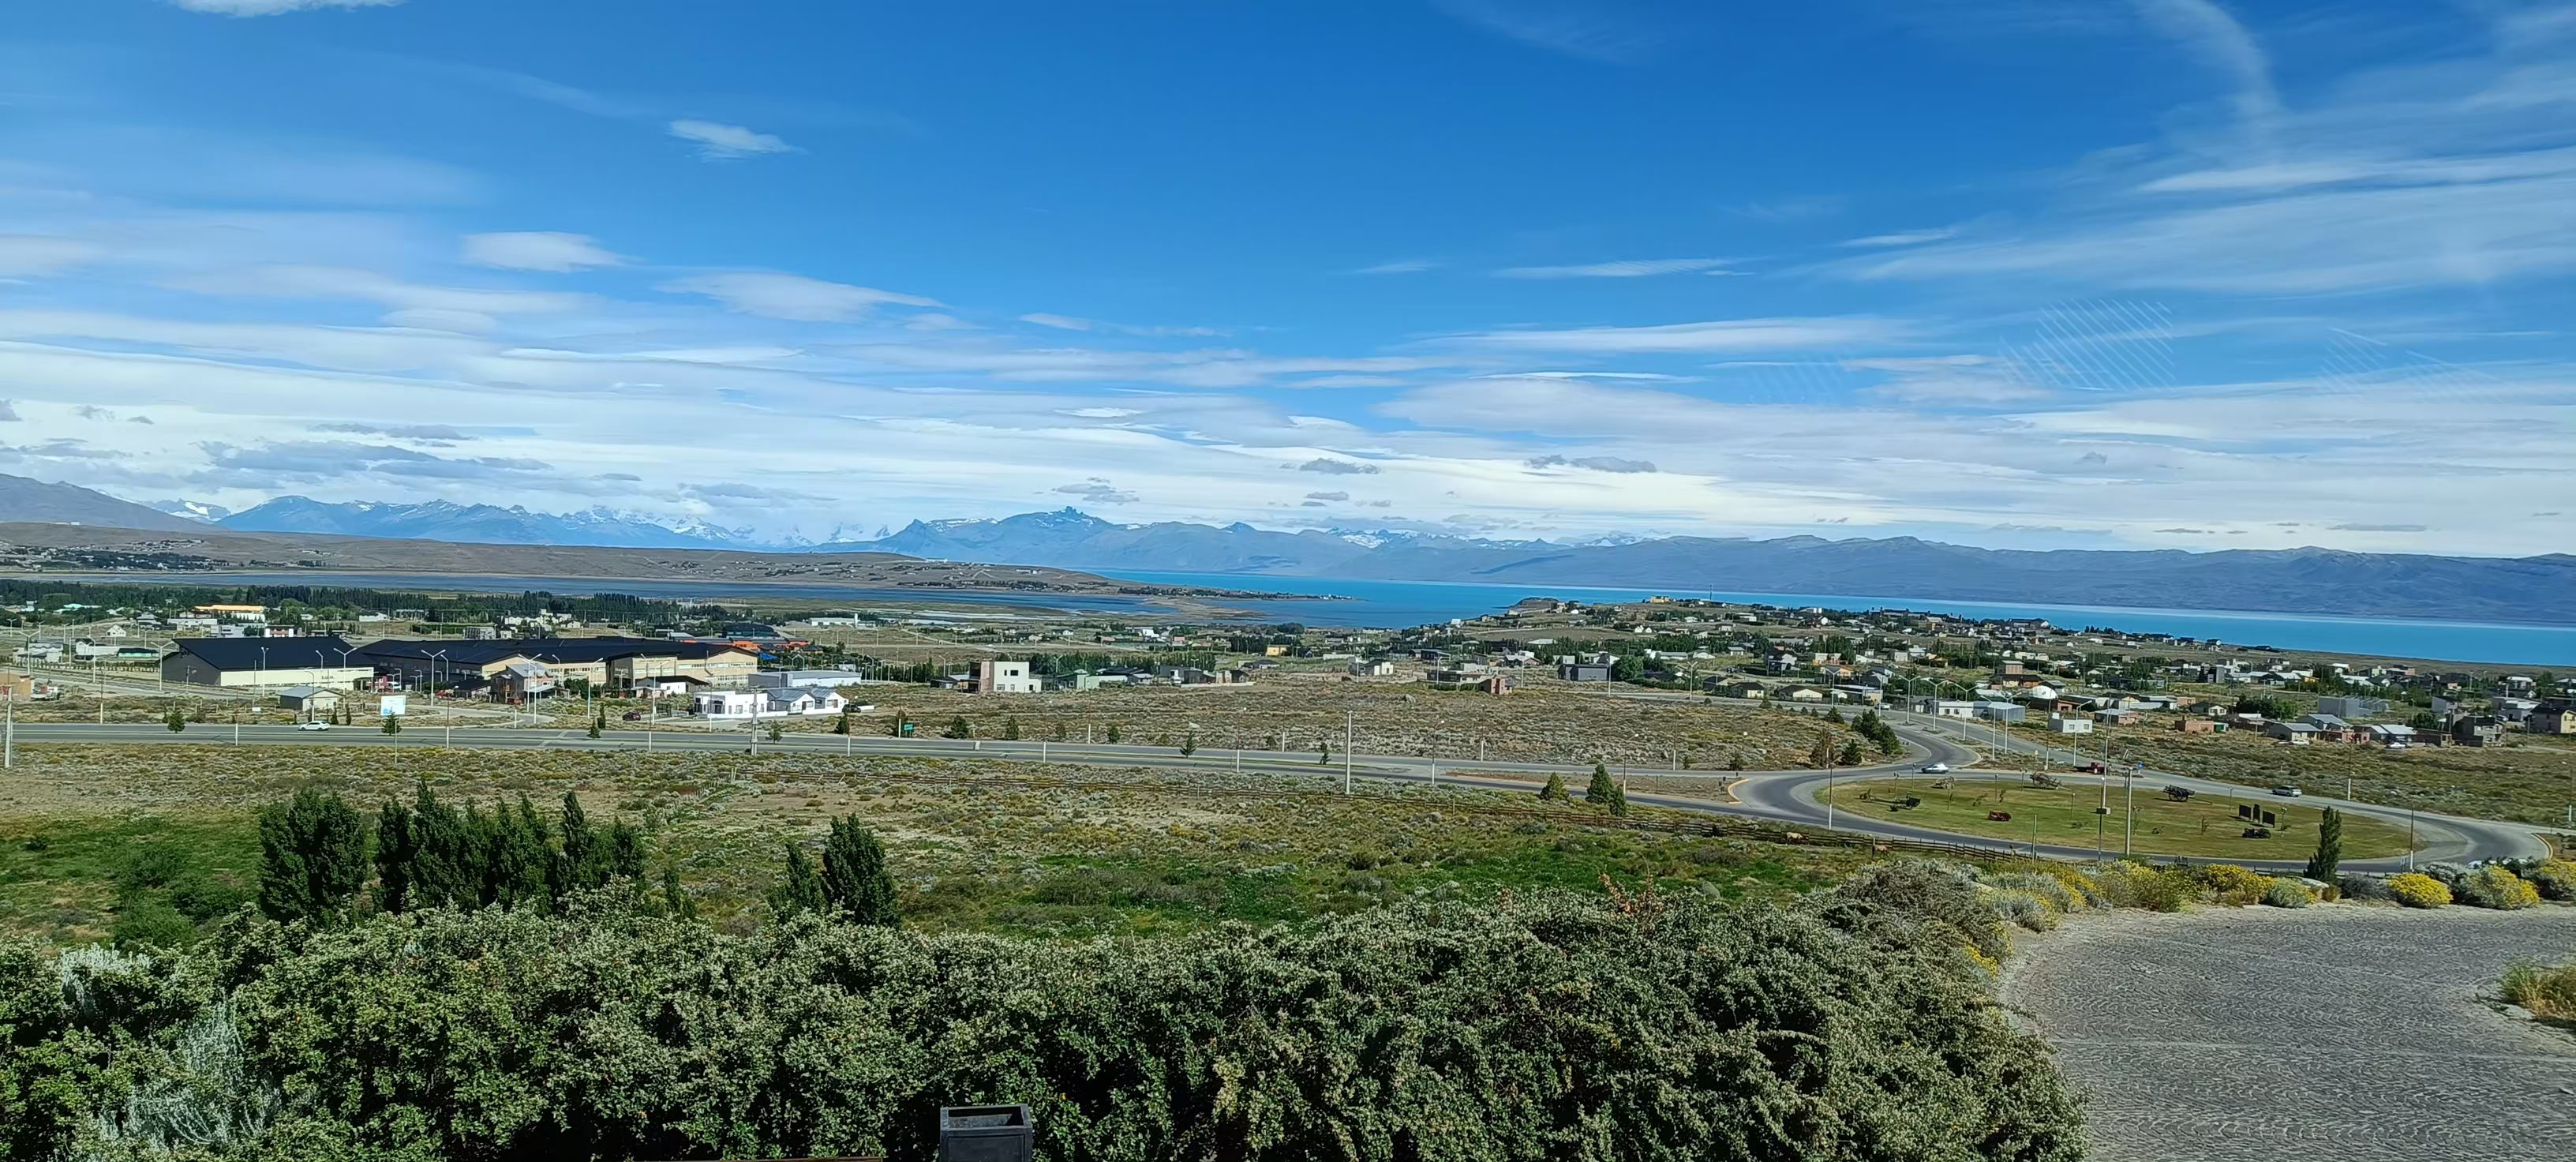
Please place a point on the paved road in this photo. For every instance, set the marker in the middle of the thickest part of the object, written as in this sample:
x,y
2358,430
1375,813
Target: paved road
x,y
1787,797
2261,1035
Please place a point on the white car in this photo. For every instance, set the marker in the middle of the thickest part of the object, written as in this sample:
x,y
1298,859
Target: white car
x,y
2288,792
313,726
1934,769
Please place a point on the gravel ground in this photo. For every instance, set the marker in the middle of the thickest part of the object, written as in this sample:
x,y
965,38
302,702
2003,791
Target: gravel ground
x,y
2350,1033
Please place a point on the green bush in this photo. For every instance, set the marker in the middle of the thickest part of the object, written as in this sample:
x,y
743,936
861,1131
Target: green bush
x,y
2417,890
1551,1027
2024,908
1942,894
2287,893
2054,891
2494,886
2356,886
2555,878
2135,885
2229,884
149,924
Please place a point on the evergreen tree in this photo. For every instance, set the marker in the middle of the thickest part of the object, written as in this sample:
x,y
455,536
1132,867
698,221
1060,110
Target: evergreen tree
x,y
581,861
958,728
2323,864
676,903
1851,753
393,724
855,879
445,867
1821,755
799,889
1113,732
1735,762
312,857
843,725
1011,729
521,856
1605,792
174,720
1834,715
1189,745
396,851
1554,791
625,852
598,723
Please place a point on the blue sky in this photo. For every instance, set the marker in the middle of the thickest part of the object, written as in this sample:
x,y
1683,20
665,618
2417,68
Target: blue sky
x,y
2167,273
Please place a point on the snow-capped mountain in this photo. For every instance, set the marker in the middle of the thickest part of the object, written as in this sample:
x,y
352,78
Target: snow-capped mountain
x,y
192,509
440,520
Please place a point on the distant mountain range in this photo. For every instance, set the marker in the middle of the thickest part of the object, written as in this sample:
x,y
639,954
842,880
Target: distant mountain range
x,y
2321,581
64,504
2326,581
477,524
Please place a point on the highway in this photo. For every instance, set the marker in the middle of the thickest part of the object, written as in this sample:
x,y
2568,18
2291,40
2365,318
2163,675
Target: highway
x,y
1785,797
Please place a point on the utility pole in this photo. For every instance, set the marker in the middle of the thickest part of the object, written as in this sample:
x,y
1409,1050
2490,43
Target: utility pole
x,y
2104,815
1829,790
1346,751
2129,830
9,733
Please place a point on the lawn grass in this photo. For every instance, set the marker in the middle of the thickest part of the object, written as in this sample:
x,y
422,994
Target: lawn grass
x,y
2206,826
2527,780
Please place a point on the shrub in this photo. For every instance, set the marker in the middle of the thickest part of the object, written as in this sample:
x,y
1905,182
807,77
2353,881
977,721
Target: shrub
x,y
2022,907
1940,893
2547,992
2450,875
2135,885
2494,886
2229,884
2287,893
153,924
2356,886
2554,878
2417,890
2050,889
1839,1029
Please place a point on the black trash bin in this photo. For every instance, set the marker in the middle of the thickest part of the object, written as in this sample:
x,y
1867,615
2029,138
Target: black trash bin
x,y
986,1134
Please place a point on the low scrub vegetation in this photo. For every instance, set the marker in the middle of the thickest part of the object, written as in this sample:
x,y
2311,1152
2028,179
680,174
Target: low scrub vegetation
x,y
2493,886
2548,992
2417,890
1853,1024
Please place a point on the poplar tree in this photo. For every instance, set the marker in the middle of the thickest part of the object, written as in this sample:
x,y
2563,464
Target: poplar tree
x,y
2322,865
798,889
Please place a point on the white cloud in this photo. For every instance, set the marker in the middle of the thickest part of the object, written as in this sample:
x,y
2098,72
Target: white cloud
x,y
274,7
33,254
1718,336
544,250
1400,266
1059,322
718,141
1633,268
332,282
1331,467
1098,491
2209,31
791,296
1905,237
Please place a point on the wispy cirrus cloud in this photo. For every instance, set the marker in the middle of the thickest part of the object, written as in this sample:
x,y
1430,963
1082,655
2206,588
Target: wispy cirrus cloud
x,y
1585,29
1631,268
540,250
1713,337
1904,238
1401,266
792,296
717,141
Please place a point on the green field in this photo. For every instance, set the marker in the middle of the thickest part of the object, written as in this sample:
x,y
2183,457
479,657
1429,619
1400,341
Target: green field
x,y
2205,826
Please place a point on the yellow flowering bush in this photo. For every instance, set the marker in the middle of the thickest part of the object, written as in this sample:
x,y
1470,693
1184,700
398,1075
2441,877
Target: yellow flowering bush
x,y
2230,884
2497,887
2417,890
2556,878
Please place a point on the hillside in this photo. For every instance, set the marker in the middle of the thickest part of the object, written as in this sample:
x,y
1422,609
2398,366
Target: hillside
x,y
36,502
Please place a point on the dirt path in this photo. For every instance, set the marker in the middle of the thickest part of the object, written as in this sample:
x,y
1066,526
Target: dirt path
x,y
2351,1033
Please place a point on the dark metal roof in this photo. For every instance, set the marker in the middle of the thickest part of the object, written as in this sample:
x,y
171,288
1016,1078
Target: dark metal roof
x,y
283,653
570,651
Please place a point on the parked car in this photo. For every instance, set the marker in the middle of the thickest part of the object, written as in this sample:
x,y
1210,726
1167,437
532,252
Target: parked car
x,y
634,716
2288,792
1934,769
315,725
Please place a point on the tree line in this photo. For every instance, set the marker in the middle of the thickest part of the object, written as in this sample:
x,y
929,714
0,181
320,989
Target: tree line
x,y
320,858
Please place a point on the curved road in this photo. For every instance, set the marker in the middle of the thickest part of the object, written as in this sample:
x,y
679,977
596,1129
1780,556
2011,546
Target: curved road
x,y
1787,797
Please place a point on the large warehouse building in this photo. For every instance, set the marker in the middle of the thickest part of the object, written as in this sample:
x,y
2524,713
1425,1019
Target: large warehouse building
x,y
326,662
